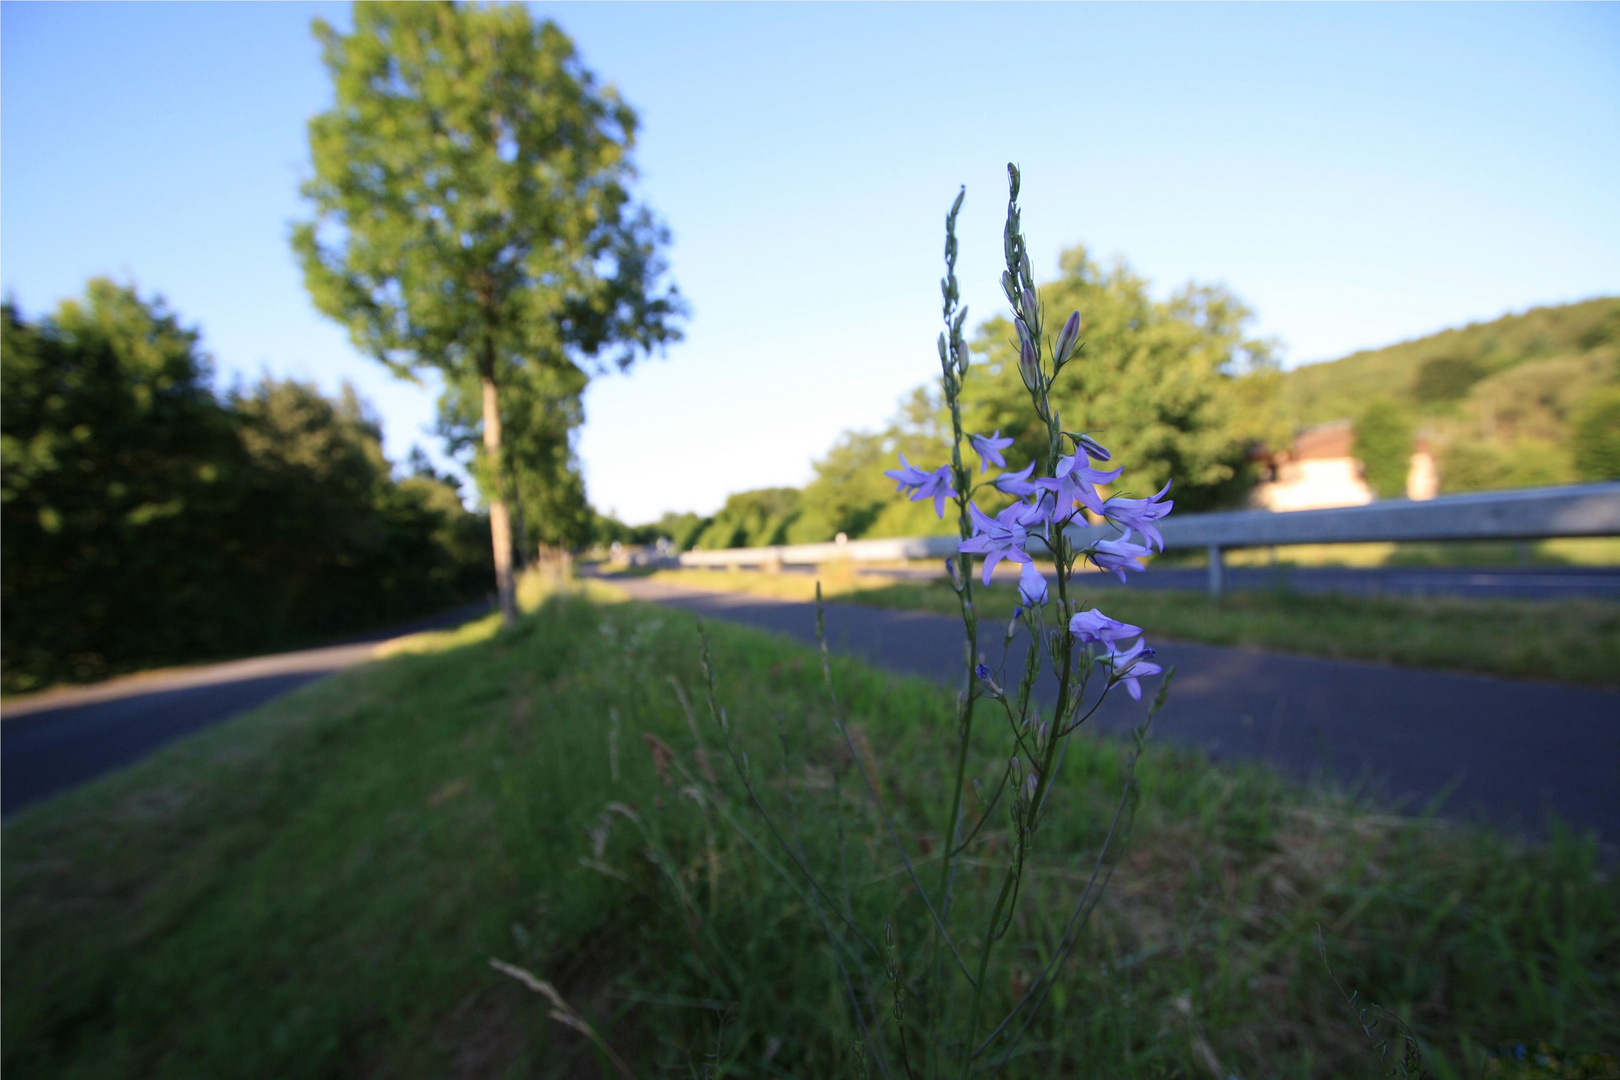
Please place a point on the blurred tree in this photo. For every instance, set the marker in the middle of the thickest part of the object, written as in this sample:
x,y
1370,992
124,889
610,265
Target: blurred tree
x,y
1176,388
541,408
1479,464
752,519
1595,436
681,529
117,464
1447,378
472,211
850,494
1383,445
146,521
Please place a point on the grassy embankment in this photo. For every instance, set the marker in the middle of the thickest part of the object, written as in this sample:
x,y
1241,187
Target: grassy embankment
x,y
315,888
1570,641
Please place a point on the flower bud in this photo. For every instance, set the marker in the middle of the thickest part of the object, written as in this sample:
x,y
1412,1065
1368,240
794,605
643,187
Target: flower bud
x,y
1032,309
1012,180
1024,272
1028,366
1093,448
944,350
954,570
1067,339
1010,288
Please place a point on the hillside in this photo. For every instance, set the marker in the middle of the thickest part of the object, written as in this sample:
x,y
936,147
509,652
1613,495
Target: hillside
x,y
1433,372
1496,400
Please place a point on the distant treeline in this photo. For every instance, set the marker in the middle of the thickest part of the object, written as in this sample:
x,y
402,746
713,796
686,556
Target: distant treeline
x,y
146,519
1176,387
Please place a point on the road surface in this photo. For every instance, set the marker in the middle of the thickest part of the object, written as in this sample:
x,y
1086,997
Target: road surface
x,y
1479,583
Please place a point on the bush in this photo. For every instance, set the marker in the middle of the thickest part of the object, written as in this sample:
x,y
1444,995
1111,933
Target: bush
x,y
1384,447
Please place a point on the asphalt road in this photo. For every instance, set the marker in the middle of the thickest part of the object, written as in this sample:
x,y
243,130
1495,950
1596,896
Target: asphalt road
x,y
1502,750
54,741
1480,583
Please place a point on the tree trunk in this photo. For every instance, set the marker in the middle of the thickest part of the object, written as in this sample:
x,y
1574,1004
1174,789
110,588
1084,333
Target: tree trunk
x,y
500,526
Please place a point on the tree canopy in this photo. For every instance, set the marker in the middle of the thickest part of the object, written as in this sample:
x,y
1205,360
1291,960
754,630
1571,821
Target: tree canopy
x,y
473,212
1176,387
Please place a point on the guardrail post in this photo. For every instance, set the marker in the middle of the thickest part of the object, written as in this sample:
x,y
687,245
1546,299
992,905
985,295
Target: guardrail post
x,y
1214,570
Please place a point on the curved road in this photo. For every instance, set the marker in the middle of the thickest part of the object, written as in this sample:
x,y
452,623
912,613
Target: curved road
x,y
1504,750
54,741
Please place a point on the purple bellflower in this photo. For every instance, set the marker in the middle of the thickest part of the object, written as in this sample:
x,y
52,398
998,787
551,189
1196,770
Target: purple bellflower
x,y
1031,585
935,485
1140,514
999,537
1131,665
1118,556
989,448
1074,483
1017,483
1093,625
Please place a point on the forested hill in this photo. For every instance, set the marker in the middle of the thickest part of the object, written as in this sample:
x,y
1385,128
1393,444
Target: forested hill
x,y
1554,353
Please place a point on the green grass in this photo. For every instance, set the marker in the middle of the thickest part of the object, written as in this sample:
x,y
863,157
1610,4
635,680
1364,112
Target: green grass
x,y
315,888
1569,641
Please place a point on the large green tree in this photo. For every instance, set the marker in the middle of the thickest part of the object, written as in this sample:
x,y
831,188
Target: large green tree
x,y
473,211
1177,388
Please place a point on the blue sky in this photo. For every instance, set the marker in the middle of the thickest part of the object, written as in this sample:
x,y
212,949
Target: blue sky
x,y
1357,174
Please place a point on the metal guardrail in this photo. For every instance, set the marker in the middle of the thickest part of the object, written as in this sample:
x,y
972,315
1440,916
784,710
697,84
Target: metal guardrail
x,y
1530,514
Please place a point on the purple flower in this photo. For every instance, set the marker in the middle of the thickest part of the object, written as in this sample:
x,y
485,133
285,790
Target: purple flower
x,y
1131,665
1073,482
983,672
1031,585
1140,514
989,449
999,537
1093,625
935,485
1118,556
1017,483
